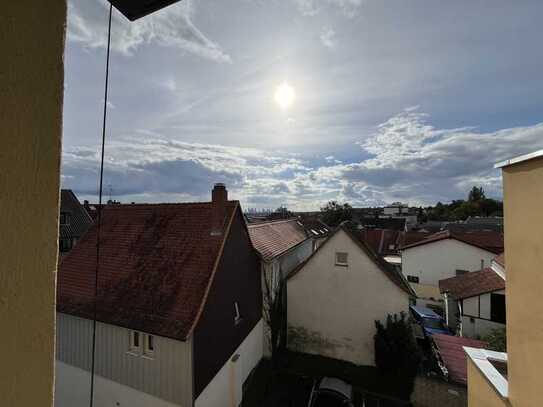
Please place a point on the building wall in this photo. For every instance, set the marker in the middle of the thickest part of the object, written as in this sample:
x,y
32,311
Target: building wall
x,y
476,315
237,279
226,388
439,260
331,309
167,376
480,391
523,195
479,327
31,91
107,393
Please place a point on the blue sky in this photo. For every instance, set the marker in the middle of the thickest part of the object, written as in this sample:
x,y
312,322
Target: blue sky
x,y
395,99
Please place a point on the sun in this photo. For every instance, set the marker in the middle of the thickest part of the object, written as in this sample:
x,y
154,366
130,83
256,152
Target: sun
x,y
284,95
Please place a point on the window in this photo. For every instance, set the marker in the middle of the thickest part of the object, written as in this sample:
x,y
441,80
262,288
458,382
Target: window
x,y
134,341
149,344
497,308
460,272
342,259
65,245
391,247
413,279
64,218
237,316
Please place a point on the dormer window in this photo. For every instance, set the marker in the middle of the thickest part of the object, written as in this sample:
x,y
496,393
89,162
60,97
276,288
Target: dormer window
x,y
342,259
65,245
135,339
149,348
64,218
237,315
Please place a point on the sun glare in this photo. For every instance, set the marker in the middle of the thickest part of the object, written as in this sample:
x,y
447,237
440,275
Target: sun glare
x,y
284,96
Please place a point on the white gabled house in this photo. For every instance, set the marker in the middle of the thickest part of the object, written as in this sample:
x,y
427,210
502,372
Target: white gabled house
x,y
449,254
336,295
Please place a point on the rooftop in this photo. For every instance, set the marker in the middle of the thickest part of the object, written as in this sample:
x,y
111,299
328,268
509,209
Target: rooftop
x,y
487,240
271,239
156,264
472,284
519,159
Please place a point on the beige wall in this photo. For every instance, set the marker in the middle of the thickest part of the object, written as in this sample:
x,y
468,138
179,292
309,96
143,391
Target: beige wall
x,y
481,393
332,309
31,86
523,199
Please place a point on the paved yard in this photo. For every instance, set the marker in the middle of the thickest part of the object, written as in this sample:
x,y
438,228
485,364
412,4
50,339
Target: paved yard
x,y
290,385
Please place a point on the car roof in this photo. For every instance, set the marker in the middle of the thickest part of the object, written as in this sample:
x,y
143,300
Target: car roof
x,y
337,385
425,312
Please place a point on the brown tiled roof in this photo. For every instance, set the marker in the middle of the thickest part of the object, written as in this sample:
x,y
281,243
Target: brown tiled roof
x,y
395,276
472,284
156,265
387,242
271,239
451,352
490,241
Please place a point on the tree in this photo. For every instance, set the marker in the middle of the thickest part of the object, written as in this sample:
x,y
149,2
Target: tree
x,y
476,194
274,306
496,340
396,350
334,213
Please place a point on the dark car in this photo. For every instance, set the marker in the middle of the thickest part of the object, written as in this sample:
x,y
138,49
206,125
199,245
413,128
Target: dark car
x,y
331,392
430,322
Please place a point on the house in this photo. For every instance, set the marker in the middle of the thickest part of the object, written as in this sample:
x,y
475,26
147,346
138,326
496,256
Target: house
x,y
178,307
475,302
316,229
448,254
513,379
336,295
74,221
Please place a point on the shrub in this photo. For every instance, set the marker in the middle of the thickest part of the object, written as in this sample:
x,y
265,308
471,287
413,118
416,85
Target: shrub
x,y
496,340
396,351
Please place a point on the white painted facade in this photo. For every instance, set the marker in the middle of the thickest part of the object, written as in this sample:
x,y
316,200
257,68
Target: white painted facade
x,y
72,388
225,390
438,260
476,315
332,309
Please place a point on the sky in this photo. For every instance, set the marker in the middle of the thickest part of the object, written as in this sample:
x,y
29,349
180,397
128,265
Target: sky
x,y
395,100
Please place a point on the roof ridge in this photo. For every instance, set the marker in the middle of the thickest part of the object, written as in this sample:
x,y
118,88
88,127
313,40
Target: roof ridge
x,y
272,222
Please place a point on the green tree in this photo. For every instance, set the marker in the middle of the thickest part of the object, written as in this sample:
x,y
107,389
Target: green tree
x,y
334,213
476,194
496,340
396,350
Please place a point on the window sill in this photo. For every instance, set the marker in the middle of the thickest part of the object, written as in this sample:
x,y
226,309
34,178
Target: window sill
x,y
148,356
132,353
342,265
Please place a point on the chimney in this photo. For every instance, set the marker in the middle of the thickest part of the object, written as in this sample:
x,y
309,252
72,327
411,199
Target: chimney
x,y
219,197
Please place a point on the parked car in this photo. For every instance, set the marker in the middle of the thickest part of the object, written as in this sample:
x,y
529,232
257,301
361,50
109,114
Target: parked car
x,y
331,392
430,322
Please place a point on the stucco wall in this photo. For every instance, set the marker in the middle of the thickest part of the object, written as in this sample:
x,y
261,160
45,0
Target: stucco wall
x,y
479,327
480,391
31,90
225,390
332,309
523,198
435,261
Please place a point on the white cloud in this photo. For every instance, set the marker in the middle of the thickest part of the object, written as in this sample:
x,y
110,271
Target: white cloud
x,y
349,8
328,38
172,27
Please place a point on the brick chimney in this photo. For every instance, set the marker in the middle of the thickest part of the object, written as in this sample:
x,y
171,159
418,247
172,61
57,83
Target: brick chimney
x,y
219,197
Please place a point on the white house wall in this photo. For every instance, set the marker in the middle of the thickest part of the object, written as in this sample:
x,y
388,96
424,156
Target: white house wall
x,y
476,327
167,375
438,260
72,389
225,390
331,309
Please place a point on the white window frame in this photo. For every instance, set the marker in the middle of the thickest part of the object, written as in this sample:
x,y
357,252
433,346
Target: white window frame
x,y
237,315
339,263
133,348
149,350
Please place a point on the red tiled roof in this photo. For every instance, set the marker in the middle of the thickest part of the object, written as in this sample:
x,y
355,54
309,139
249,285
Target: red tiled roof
x,y
156,264
472,284
453,356
271,239
387,241
490,241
